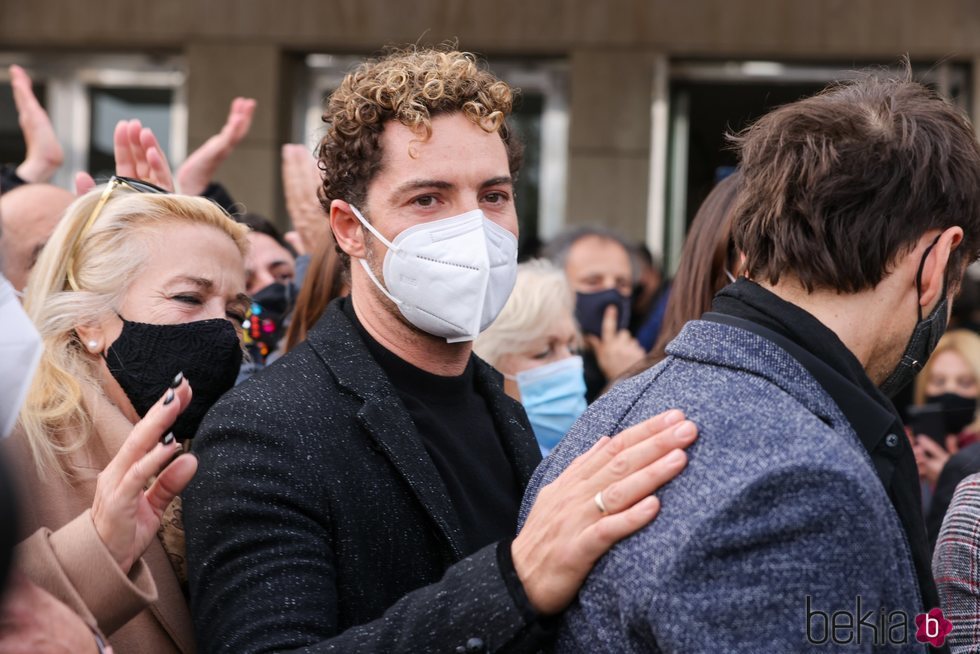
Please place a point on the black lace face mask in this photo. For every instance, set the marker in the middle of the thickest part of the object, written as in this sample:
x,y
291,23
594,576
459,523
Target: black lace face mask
x,y
145,359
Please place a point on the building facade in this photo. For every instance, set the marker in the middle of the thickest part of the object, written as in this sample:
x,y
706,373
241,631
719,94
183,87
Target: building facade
x,y
625,102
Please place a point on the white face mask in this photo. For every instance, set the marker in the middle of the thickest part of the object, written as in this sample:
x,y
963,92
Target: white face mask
x,y
20,352
450,277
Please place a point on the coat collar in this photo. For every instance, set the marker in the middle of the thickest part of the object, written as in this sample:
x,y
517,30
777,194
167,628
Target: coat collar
x,y
725,345
336,342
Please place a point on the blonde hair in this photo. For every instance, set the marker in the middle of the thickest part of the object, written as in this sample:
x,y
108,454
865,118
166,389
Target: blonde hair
x,y
964,343
541,295
106,259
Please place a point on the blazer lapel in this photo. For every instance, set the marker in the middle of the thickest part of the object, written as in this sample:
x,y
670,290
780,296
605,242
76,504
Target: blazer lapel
x,y
384,418
393,432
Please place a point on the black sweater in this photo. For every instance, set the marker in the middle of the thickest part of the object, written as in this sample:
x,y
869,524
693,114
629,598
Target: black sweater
x,y
457,430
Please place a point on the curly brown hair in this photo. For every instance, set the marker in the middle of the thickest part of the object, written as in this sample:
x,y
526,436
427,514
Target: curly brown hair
x,y
412,86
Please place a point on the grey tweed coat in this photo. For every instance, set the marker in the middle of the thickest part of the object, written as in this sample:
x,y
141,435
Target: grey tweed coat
x,y
779,503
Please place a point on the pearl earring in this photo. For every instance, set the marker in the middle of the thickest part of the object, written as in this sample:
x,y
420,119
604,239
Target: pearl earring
x,y
93,346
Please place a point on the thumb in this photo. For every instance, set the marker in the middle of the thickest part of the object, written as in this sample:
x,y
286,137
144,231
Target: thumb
x,y
171,482
83,183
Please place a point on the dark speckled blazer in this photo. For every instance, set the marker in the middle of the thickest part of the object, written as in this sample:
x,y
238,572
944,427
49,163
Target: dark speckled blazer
x,y
316,513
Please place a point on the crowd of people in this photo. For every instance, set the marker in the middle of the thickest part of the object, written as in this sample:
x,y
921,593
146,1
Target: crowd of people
x,y
379,432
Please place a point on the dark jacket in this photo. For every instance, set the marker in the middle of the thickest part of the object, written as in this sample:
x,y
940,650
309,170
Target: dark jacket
x,y
316,510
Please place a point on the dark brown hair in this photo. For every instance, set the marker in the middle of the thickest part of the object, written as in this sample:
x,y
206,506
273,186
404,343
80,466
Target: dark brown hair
x,y
325,280
707,254
410,86
837,186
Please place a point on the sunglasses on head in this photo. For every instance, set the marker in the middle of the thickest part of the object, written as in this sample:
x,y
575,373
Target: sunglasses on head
x,y
115,182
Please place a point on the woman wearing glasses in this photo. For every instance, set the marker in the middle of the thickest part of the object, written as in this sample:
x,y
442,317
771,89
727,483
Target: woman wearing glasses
x,y
139,296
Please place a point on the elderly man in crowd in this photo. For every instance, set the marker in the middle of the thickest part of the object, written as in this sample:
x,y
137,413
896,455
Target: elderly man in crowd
x,y
600,269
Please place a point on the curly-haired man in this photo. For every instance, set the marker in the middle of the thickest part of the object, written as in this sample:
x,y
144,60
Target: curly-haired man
x,y
362,494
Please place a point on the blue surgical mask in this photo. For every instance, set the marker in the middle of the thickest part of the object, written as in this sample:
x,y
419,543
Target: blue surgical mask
x,y
553,396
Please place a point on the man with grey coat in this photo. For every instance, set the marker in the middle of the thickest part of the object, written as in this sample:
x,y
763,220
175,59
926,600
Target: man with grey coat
x,y
797,525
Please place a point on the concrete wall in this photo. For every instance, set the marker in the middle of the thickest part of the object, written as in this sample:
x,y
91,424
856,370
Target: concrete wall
x,y
244,47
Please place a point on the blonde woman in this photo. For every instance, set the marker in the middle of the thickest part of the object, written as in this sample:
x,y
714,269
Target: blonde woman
x,y
950,379
139,296
534,343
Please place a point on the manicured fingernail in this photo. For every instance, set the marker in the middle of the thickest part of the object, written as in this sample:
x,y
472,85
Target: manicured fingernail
x,y
168,439
672,417
176,382
169,398
674,457
685,430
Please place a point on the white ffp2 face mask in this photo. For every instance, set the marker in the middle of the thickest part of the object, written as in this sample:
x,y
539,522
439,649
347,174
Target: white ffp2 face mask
x,y
450,277
20,352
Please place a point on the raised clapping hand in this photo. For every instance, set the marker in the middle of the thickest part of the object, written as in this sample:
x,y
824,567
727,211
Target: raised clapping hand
x,y
616,351
44,153
138,155
199,168
566,532
127,513
300,181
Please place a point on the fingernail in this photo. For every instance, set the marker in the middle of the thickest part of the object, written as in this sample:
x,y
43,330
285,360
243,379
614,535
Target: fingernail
x,y
169,398
650,503
168,439
176,382
674,457
672,417
685,430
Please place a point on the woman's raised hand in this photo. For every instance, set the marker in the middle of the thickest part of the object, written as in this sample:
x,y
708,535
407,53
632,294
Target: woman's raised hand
x,y
127,506
199,168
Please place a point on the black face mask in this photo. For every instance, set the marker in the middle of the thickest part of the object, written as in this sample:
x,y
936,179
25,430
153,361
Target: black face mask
x,y
145,359
958,411
590,307
923,341
277,298
266,325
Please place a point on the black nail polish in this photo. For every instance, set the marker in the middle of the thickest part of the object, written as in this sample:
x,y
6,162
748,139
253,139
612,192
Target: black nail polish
x,y
177,380
169,398
168,439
